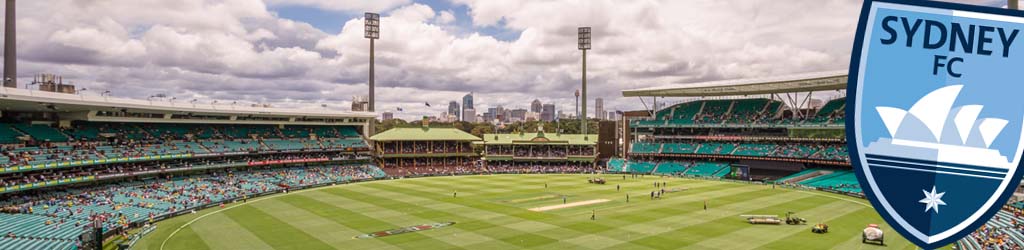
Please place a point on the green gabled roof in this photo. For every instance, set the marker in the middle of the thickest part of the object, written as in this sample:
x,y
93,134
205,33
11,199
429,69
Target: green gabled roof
x,y
540,138
424,134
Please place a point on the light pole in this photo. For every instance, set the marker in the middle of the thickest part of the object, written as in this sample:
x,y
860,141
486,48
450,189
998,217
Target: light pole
x,y
577,109
10,51
584,45
372,32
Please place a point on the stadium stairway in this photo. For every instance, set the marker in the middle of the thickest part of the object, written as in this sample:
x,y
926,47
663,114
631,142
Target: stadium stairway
x,y
732,105
706,169
41,132
203,147
670,168
142,131
699,111
722,172
639,167
801,176
616,165
9,135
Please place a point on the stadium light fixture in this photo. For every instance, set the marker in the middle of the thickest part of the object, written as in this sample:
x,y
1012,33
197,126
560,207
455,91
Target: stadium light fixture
x,y
372,32
583,43
10,46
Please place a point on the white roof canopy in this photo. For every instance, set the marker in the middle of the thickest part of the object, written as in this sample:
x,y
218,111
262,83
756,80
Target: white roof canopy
x,y
817,81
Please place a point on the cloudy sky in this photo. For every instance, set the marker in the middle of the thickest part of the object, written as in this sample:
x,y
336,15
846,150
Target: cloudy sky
x,y
304,53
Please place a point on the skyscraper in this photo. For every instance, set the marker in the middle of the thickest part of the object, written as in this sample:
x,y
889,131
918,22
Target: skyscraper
x,y
387,116
467,105
453,109
500,114
469,115
518,115
536,106
547,112
467,101
490,115
599,109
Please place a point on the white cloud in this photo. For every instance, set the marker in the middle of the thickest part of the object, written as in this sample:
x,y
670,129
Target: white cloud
x,y
416,13
239,50
344,5
445,17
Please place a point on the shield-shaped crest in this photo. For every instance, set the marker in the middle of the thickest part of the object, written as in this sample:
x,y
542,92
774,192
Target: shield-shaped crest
x,y
936,129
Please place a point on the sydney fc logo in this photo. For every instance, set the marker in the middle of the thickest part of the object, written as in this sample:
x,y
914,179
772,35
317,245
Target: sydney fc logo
x,y
936,130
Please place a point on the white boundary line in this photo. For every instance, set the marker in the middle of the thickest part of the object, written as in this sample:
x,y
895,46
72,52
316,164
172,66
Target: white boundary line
x,y
189,223
169,236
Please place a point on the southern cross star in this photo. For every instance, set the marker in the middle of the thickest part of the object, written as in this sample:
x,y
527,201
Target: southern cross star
x,y
932,200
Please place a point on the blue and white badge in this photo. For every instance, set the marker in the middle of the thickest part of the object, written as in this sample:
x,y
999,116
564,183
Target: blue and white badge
x,y
937,104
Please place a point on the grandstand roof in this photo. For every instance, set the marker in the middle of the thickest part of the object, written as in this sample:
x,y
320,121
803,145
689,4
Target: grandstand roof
x,y
424,134
540,138
42,101
817,81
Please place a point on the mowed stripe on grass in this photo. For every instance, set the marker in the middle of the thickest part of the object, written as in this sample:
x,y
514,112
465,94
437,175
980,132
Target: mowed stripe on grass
x,y
272,230
321,228
328,218
359,221
427,215
220,232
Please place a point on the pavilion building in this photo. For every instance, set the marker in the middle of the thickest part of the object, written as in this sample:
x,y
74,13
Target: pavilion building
x,y
425,150
539,152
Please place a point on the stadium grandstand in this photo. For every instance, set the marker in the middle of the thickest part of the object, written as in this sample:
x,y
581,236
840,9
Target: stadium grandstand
x,y
72,165
752,129
75,168
785,130
539,152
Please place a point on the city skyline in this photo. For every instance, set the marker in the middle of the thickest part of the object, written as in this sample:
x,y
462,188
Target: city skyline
x,y
311,54
534,110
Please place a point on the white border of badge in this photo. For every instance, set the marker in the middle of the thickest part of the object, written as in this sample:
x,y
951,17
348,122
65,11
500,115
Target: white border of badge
x,y
867,12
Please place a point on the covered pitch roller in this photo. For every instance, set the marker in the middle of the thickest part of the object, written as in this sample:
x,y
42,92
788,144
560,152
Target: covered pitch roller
x,y
763,219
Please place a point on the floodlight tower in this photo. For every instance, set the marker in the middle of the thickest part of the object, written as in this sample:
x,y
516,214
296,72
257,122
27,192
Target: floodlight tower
x,y
577,103
10,52
584,45
372,32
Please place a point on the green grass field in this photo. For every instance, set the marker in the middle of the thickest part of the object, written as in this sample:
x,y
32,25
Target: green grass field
x,y
491,212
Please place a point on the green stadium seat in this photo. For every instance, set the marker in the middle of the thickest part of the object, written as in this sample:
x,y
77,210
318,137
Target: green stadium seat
x,y
42,132
8,135
708,169
670,168
616,165
679,148
639,167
